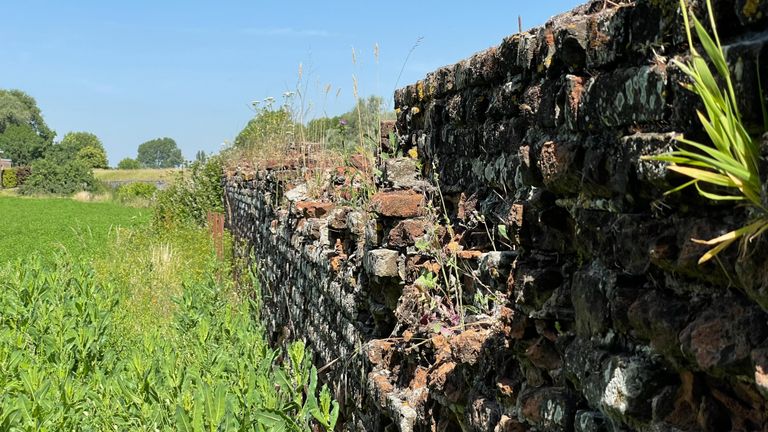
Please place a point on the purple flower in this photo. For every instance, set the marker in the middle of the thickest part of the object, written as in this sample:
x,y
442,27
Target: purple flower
x,y
342,122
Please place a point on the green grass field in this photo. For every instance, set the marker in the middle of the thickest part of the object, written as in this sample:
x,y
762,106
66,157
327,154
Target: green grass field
x,y
146,175
47,225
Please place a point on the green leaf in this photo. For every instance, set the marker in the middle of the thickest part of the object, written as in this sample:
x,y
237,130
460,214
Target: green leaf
x,y
714,52
503,231
182,420
702,175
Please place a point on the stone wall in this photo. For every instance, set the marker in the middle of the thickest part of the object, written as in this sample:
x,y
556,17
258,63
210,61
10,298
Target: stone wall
x,y
519,266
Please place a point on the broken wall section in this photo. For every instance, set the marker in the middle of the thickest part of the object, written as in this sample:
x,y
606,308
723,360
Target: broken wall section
x,y
518,266
545,134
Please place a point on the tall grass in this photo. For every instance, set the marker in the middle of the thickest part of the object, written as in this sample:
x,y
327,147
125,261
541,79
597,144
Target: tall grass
x,y
727,169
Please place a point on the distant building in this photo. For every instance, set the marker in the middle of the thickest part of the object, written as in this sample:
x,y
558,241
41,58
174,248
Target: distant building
x,y
5,163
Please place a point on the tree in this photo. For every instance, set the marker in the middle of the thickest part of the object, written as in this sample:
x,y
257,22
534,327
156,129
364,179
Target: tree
x,y
28,135
94,157
20,143
200,156
159,153
128,163
54,177
74,143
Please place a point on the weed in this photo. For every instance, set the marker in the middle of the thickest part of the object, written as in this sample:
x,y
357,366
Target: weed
x,y
731,162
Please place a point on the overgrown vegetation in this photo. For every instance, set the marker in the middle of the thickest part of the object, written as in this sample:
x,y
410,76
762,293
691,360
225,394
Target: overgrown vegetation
x,y
726,170
138,327
84,147
195,192
278,132
136,193
357,128
73,358
270,129
59,177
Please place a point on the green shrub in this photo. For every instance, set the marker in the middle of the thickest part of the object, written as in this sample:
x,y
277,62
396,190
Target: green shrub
x,y
136,191
195,192
51,177
9,178
94,157
22,174
128,163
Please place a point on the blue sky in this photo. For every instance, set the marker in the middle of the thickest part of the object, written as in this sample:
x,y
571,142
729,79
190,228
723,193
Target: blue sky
x,y
133,71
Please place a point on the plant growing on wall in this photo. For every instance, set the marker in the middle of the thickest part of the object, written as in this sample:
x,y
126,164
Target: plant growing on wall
x,y
726,170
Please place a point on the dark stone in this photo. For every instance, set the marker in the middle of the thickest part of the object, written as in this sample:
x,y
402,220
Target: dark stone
x,y
534,284
607,31
582,361
624,97
663,403
543,355
560,165
590,305
549,408
550,106
744,57
505,99
526,50
722,337
659,318
572,38
591,421
629,386
752,12
402,173
406,232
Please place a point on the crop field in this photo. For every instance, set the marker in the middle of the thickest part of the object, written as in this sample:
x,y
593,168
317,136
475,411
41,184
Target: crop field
x,y
137,328
48,225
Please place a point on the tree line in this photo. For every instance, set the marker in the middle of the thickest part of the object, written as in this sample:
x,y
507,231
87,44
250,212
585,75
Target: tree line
x,y
26,138
64,166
